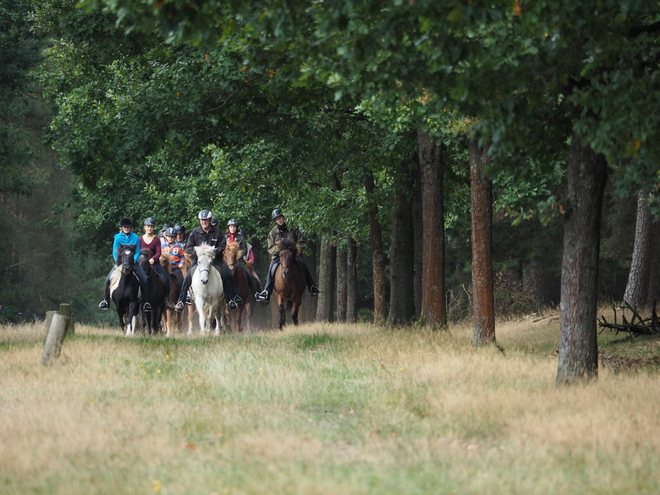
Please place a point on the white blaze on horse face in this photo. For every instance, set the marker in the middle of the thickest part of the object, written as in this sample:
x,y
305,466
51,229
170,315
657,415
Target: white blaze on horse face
x,y
127,252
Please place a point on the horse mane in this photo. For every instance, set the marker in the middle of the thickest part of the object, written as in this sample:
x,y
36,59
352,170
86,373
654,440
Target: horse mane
x,y
232,248
287,243
165,262
205,250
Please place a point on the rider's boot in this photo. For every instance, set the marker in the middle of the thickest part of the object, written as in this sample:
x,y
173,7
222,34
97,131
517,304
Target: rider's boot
x,y
314,290
103,304
262,296
178,307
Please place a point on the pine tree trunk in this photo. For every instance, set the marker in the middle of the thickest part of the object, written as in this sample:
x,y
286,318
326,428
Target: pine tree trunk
x,y
377,254
638,279
341,284
418,238
402,292
578,346
434,304
351,280
483,301
326,281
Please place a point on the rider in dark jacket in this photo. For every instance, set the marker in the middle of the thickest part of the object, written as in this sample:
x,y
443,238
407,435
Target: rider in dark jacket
x,y
212,236
276,234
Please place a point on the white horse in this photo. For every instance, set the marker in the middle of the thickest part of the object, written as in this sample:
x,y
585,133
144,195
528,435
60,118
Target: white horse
x,y
207,290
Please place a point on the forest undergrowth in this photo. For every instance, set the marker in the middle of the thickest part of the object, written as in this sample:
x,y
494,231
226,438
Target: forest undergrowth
x,y
326,408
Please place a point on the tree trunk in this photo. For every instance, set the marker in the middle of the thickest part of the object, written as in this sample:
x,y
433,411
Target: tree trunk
x,y
418,236
434,304
402,291
578,346
341,284
638,279
377,253
483,302
351,280
324,309
309,303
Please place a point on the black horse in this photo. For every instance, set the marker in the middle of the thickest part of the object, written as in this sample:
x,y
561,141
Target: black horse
x,y
157,294
124,288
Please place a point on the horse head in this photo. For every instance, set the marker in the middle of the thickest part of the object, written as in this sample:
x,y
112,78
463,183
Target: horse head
x,y
288,253
205,257
231,256
126,257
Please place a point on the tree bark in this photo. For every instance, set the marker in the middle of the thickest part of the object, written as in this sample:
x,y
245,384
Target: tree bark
x,y
341,284
578,346
483,301
434,304
351,280
638,279
402,290
377,253
324,308
418,237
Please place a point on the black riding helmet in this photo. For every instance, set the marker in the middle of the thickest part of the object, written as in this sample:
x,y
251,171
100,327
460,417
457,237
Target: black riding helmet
x,y
276,213
165,227
233,221
150,221
125,222
205,215
214,221
171,231
179,229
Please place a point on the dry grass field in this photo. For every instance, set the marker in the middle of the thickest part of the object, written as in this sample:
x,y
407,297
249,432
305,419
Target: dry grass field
x,y
325,408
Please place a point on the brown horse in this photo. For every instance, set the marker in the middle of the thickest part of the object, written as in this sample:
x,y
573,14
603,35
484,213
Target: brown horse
x,y
171,318
232,256
290,281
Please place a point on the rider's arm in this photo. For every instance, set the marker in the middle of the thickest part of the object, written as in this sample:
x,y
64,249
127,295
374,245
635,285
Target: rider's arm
x,y
137,248
272,247
156,257
300,241
115,247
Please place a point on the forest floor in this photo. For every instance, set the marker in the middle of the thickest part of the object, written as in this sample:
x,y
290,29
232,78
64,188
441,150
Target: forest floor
x,y
326,408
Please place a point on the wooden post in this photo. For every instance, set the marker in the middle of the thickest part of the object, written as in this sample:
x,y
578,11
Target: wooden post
x,y
49,318
56,334
65,310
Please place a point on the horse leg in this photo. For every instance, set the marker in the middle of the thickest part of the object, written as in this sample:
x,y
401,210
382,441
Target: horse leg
x,y
281,309
199,303
191,314
294,312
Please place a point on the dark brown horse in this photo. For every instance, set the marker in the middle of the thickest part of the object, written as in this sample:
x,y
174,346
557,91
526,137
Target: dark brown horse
x,y
290,281
232,257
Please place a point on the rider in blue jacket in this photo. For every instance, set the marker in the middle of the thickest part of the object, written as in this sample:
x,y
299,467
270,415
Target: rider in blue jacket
x,y
127,236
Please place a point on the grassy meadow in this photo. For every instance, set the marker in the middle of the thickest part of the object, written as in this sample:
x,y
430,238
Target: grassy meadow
x,y
325,408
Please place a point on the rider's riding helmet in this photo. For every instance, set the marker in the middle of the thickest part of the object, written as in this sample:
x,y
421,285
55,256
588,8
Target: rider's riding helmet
x,y
150,221
233,221
214,221
170,232
205,215
125,222
276,213
164,229
179,229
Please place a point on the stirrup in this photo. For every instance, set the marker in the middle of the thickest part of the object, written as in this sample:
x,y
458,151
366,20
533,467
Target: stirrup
x,y
232,305
178,307
314,290
103,304
146,307
189,300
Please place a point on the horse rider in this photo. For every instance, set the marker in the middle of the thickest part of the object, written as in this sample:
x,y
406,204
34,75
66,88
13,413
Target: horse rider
x,y
126,237
153,244
249,256
277,233
233,235
175,250
210,235
180,233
